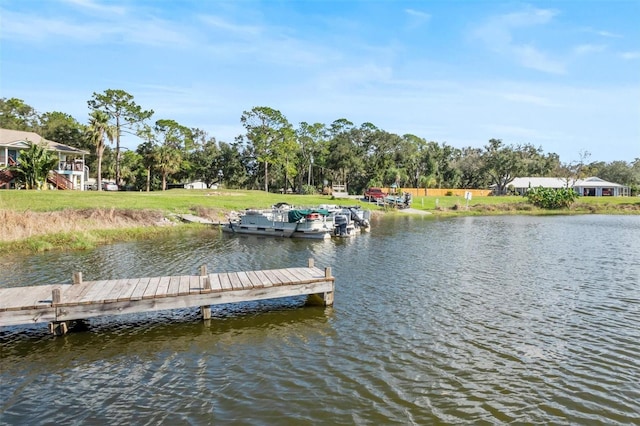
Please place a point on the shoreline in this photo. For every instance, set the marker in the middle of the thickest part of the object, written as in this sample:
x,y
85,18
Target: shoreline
x,y
81,229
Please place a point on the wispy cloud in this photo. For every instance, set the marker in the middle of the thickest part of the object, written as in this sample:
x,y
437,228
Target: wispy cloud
x,y
608,34
528,99
238,30
500,34
63,29
29,27
585,49
93,6
630,55
417,18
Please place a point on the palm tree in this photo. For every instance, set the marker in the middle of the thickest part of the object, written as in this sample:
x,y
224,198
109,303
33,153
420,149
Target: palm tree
x,y
168,160
34,166
99,127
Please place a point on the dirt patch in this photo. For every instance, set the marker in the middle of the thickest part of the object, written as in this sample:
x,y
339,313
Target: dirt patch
x,y
414,211
213,214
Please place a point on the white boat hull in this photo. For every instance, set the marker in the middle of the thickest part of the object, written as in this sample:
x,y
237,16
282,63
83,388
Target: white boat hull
x,y
273,224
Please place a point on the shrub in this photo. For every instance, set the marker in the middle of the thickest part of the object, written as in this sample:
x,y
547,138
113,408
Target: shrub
x,y
551,198
309,190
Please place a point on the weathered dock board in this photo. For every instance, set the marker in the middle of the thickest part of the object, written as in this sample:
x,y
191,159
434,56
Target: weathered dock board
x,y
58,304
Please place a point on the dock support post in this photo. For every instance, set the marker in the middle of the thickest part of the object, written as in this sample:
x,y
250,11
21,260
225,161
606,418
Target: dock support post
x,y
57,328
328,296
205,311
322,299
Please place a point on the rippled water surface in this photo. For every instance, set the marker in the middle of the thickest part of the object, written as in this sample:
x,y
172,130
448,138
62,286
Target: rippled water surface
x,y
471,320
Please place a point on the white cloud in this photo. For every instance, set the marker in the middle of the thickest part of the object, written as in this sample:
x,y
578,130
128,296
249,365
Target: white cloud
x,y
608,34
500,33
630,55
417,18
93,6
528,99
218,23
533,58
584,49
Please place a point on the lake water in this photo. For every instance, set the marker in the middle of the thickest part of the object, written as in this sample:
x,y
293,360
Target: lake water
x,y
483,320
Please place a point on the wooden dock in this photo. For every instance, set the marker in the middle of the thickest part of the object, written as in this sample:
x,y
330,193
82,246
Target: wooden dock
x,y
61,304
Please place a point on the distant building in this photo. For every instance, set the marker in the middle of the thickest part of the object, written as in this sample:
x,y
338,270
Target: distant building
x,y
589,187
70,174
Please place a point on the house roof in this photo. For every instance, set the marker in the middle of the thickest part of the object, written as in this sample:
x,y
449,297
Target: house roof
x,y
545,182
596,182
555,182
19,139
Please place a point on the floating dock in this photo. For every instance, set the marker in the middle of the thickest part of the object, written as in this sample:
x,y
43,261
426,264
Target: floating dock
x,y
62,304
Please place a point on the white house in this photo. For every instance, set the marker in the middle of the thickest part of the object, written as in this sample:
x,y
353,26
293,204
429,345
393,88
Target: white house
x,y
591,186
594,186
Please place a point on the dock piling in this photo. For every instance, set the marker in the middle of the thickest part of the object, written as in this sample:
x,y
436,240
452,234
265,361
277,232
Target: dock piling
x,y
205,310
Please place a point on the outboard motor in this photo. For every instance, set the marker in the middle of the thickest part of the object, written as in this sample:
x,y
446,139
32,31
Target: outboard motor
x,y
407,199
362,223
341,221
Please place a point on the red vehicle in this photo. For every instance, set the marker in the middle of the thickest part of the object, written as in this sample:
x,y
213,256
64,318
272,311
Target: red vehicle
x,y
374,194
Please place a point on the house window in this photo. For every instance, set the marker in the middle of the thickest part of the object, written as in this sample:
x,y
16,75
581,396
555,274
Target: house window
x,y
607,192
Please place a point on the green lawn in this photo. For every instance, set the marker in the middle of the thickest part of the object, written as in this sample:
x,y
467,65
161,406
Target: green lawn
x,y
183,200
174,201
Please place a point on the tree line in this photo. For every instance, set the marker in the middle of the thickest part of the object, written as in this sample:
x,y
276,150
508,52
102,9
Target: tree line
x,y
274,155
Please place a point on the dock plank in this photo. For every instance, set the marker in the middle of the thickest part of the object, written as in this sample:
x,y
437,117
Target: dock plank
x,y
284,277
163,287
236,284
103,291
75,292
94,293
152,288
140,288
186,282
174,286
275,281
225,282
245,280
214,279
30,297
256,282
115,290
128,289
302,274
264,280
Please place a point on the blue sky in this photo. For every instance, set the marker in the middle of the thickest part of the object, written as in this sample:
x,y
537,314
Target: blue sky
x,y
562,75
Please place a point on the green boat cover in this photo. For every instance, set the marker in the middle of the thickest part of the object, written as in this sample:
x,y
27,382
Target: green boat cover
x,y
296,215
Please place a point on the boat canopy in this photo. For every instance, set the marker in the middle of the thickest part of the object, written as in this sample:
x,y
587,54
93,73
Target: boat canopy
x,y
296,215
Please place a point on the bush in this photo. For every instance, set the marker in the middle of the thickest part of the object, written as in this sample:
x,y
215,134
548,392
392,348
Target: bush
x,y
308,190
550,198
448,194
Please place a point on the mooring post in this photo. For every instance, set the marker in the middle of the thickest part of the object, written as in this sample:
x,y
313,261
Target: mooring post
x,y
57,328
311,262
77,277
328,296
205,311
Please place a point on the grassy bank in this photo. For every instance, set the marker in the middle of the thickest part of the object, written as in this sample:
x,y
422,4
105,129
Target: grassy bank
x,y
45,220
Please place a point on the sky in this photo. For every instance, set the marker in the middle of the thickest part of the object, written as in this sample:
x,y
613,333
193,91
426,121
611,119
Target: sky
x,y
560,75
